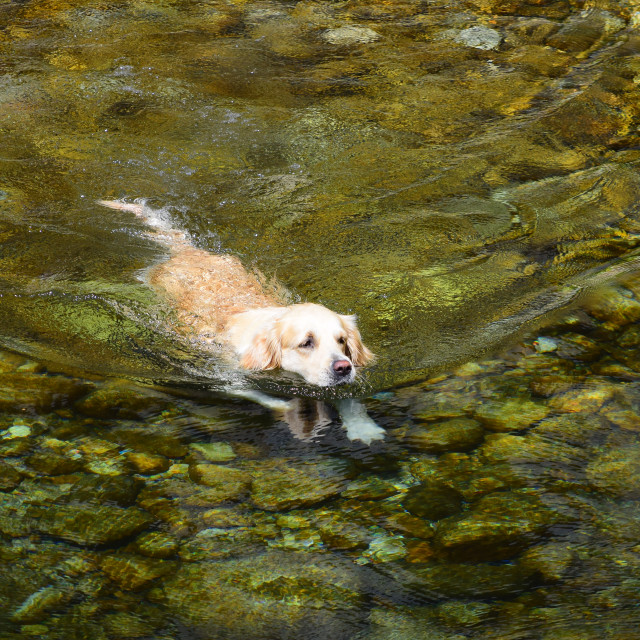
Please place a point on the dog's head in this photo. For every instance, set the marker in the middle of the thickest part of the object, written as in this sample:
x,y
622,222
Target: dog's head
x,y
310,340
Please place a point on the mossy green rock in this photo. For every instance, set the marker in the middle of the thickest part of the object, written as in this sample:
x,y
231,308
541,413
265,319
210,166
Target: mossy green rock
x,y
552,560
9,477
278,594
40,604
283,484
216,544
120,490
576,429
616,472
369,488
132,572
121,401
481,580
52,463
459,434
89,524
511,415
497,526
40,393
182,493
156,544
225,483
126,625
432,501
147,463
153,439
214,451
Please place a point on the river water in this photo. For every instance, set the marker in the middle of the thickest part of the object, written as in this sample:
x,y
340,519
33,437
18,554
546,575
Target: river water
x,y
463,176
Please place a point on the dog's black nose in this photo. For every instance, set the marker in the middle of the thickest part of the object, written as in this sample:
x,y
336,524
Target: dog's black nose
x,y
342,368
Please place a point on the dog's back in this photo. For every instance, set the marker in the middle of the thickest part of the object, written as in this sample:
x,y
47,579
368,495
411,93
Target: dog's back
x,y
205,288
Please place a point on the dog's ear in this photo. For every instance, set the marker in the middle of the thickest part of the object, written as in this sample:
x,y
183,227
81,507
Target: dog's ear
x,y
357,352
265,351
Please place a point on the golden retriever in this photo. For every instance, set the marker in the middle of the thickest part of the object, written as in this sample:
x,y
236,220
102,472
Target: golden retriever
x,y
219,301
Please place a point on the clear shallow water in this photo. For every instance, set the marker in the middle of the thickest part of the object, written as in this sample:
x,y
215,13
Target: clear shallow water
x,y
457,176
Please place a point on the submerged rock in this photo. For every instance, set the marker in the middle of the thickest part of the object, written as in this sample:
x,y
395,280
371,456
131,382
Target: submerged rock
x,y
480,37
277,594
283,484
464,614
590,397
127,625
94,489
155,439
452,580
552,560
385,549
147,463
369,488
52,463
497,526
132,572
510,415
339,532
40,604
156,544
214,451
406,623
9,477
225,483
615,305
459,434
617,472
350,35
432,501
120,400
89,524
215,544
40,393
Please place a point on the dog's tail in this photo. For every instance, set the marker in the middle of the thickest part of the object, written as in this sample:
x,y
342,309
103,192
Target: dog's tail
x,y
159,221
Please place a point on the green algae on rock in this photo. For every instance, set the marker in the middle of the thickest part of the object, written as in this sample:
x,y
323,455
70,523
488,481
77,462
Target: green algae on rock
x,y
40,604
510,415
497,526
616,472
214,451
132,572
32,392
279,592
458,434
10,478
282,484
224,483
120,400
432,501
156,544
89,524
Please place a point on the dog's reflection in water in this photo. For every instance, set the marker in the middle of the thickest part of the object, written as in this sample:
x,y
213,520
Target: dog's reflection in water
x,y
309,419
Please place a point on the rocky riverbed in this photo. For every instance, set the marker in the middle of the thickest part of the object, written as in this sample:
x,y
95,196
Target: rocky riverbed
x,y
463,175
502,504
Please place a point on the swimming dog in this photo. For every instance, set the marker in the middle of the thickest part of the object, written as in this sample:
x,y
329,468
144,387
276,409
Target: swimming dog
x,y
219,302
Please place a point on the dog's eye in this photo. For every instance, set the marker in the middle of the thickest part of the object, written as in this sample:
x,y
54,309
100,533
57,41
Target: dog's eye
x,y
307,344
341,340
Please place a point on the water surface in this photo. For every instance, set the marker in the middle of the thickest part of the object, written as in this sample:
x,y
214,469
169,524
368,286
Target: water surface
x,y
461,175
